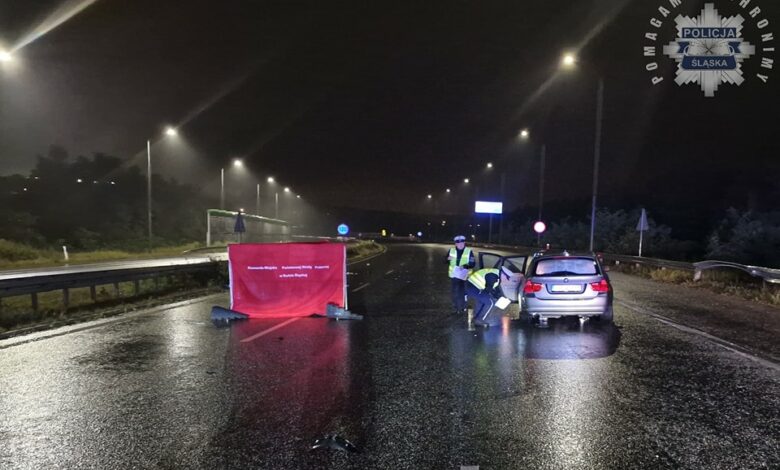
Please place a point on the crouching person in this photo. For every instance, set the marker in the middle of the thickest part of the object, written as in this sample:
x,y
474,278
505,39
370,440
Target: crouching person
x,y
483,287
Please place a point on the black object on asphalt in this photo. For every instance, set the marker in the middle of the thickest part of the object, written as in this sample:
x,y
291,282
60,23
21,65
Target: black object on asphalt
x,y
339,313
334,442
225,315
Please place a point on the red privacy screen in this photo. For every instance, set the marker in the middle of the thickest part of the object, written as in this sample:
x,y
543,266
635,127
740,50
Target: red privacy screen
x,y
286,279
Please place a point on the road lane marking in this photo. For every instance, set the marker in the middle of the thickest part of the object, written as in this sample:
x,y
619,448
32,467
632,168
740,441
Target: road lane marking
x,y
390,272
728,345
361,287
273,328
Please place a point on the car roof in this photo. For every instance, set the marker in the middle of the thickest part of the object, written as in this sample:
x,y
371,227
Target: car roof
x,y
564,254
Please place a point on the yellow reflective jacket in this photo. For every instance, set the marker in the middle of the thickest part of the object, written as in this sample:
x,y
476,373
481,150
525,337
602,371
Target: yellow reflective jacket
x,y
478,278
464,259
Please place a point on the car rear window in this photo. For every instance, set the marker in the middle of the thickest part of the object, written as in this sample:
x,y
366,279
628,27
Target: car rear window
x,y
566,267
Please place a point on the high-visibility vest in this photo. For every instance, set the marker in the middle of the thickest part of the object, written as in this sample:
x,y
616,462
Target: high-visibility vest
x,y
464,259
478,277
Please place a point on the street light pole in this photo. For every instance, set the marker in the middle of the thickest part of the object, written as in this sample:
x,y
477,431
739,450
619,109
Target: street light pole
x,y
541,189
149,190
276,205
222,188
257,204
596,156
170,132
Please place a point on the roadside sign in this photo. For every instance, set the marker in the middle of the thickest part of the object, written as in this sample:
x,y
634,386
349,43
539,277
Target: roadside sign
x,y
487,207
239,227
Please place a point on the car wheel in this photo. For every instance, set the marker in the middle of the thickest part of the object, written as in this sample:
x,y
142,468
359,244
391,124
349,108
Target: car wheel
x,y
606,317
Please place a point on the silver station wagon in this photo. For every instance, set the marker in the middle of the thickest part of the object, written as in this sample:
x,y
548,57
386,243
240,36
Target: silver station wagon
x,y
563,284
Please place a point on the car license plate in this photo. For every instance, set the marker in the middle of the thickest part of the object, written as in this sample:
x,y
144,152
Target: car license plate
x,y
566,288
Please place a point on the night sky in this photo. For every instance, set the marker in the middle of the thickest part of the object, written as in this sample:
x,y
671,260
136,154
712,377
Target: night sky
x,y
377,104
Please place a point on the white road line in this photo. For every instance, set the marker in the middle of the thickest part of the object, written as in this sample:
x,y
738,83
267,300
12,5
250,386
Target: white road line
x,y
265,332
390,272
361,287
714,339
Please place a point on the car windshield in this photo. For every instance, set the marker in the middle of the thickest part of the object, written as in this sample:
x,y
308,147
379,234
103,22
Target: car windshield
x,y
566,267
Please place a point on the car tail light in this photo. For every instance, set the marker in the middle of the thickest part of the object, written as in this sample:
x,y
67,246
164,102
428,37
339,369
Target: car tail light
x,y
601,286
531,287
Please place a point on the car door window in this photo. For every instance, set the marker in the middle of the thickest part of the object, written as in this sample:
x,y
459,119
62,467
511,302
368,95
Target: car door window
x,y
489,260
516,264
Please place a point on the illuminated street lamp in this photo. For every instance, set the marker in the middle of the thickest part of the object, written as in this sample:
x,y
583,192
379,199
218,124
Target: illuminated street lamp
x,y
430,196
237,163
6,56
489,165
524,134
170,132
466,180
568,62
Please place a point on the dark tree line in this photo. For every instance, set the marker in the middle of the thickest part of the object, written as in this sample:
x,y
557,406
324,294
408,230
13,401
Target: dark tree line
x,y
96,203
748,237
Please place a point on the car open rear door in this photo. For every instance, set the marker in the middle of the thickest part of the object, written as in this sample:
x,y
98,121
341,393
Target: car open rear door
x,y
511,286
488,260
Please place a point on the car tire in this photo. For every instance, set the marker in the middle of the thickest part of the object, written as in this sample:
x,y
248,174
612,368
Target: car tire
x,y
607,316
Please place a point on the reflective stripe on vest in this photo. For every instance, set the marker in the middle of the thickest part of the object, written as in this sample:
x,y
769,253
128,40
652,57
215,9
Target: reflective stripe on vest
x,y
464,259
478,277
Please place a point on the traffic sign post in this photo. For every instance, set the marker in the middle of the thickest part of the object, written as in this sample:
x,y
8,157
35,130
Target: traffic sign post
x,y
239,228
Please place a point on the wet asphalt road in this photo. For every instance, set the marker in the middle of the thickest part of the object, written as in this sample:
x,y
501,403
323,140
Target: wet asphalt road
x,y
410,385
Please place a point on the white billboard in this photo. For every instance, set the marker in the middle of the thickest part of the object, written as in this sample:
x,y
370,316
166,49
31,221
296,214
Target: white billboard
x,y
485,207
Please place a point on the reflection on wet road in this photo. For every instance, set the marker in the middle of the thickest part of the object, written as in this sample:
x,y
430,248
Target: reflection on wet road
x,y
411,385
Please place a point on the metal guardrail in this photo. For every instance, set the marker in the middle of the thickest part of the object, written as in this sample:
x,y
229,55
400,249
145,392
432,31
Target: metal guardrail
x,y
654,262
33,282
766,274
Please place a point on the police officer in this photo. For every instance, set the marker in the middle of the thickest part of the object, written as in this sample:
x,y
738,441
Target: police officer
x,y
483,288
463,257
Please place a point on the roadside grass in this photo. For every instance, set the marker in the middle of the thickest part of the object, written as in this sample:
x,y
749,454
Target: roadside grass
x,y
363,248
19,256
734,283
